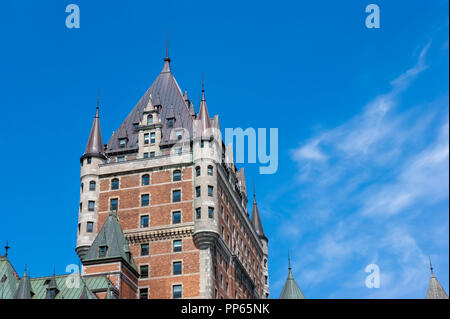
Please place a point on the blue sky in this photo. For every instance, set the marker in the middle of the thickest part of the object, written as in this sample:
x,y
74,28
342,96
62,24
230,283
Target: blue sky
x,y
362,116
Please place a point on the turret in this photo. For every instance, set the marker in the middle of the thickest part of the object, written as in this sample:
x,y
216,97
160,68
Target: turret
x,y
88,207
291,289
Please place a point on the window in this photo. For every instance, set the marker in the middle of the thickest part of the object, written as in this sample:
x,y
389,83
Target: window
x,y
144,221
176,175
144,250
52,293
115,183
176,196
177,268
170,122
177,291
152,138
149,119
197,171
102,251
179,151
211,212
210,170
265,263
265,280
90,227
202,144
177,246
176,217
152,154
210,190
136,127
122,142
197,191
89,160
92,186
113,204
145,179
145,200
82,186
121,159
91,206
179,135
143,271
146,138
198,211
81,206
145,155
143,293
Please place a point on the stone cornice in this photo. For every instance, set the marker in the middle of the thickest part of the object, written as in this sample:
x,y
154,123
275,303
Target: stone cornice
x,y
139,237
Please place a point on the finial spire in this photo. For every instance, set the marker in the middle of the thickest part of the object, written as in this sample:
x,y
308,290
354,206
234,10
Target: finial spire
x,y
167,48
6,249
98,103
254,191
203,87
289,260
431,266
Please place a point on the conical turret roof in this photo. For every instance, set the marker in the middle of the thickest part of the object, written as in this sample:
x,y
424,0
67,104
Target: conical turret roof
x,y
256,220
435,290
94,146
24,289
291,289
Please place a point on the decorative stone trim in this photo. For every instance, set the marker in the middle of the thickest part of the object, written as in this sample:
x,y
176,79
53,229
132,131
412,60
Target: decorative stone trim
x,y
160,234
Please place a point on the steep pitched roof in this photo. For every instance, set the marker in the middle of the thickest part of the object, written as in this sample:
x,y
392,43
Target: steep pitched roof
x,y
24,290
111,236
165,92
95,145
435,290
8,277
256,220
291,289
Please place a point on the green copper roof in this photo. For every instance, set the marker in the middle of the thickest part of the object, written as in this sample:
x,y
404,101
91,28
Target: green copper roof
x,y
70,286
110,236
10,279
291,289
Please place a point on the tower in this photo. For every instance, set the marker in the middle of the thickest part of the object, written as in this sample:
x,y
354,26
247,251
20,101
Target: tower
x,y
89,191
291,289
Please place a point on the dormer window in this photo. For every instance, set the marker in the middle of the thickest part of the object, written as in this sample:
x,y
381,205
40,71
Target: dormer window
x,y
102,251
52,293
170,122
149,119
179,135
122,142
136,127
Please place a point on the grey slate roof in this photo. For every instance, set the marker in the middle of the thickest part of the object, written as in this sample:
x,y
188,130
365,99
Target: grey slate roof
x,y
111,236
435,290
256,220
291,289
95,145
24,290
165,92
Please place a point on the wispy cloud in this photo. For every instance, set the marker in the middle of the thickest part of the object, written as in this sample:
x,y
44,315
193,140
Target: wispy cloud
x,y
376,176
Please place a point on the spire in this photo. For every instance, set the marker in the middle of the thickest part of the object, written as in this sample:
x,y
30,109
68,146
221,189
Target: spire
x,y
6,249
291,289
435,290
203,115
256,219
24,289
94,146
166,67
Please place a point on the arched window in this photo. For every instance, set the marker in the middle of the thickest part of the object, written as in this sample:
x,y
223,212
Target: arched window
x,y
210,170
145,179
115,183
149,119
197,171
92,186
82,187
176,175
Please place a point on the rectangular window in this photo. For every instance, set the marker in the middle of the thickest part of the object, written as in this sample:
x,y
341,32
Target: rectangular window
x,y
202,144
170,122
177,291
176,217
177,268
176,196
177,246
145,155
152,138
121,159
210,170
92,186
146,138
113,204
88,160
122,143
102,251
210,190
144,250
143,271
179,135
197,191
91,206
198,211
211,212
152,154
143,293
179,151
145,200
144,221
90,227
136,127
